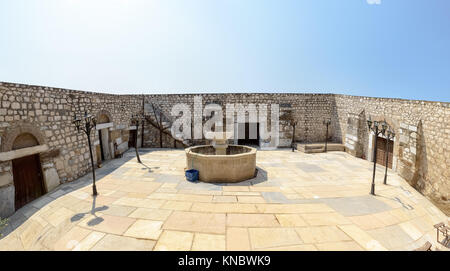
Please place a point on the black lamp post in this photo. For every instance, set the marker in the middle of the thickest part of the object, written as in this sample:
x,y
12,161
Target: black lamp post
x,y
294,123
137,119
327,123
389,135
89,124
377,128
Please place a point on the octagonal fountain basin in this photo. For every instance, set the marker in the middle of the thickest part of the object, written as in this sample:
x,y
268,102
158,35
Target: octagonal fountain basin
x,y
238,164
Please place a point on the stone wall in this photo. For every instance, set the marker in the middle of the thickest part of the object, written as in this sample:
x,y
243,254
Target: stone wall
x,y
421,145
309,110
421,149
47,114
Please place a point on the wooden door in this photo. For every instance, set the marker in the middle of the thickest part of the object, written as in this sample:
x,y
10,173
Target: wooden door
x,y
381,151
132,139
28,183
100,138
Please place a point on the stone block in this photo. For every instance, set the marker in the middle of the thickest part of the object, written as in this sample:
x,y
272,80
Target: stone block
x,y
403,125
404,139
412,128
5,179
51,178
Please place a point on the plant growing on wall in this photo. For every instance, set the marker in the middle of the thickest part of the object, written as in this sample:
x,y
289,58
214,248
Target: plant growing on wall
x,y
289,118
3,223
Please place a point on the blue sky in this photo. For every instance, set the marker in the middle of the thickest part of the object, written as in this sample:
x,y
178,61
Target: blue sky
x,y
397,48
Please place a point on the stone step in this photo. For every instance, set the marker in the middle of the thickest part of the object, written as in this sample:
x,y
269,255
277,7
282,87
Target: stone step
x,y
319,147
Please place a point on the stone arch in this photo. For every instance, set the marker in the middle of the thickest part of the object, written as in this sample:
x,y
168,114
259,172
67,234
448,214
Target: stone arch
x,y
390,121
395,126
24,140
22,129
104,116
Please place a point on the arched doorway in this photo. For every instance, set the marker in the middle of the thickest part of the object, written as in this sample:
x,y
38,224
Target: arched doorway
x,y
27,172
103,135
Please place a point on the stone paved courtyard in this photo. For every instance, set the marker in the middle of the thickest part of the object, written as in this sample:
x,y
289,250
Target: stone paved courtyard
x,y
297,202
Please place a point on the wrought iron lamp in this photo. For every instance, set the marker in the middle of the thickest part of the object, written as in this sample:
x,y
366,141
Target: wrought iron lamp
x,y
86,124
326,122
137,119
378,128
389,136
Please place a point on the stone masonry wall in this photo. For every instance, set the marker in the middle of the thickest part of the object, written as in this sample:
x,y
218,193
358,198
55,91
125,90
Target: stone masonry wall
x,y
309,110
422,143
421,149
47,114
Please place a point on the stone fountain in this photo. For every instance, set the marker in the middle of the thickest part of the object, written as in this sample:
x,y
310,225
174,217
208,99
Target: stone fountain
x,y
221,162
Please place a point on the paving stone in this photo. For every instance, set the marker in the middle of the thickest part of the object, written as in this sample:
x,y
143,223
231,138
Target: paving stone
x,y
310,168
293,208
122,243
354,206
42,201
325,220
166,178
177,205
175,240
291,220
362,238
145,229
410,229
233,188
107,223
322,234
224,199
151,214
60,215
303,247
224,208
367,222
71,239
251,199
252,220
391,237
196,222
237,239
208,242
30,234
89,241
273,237
118,210
135,202
275,197
185,185
340,246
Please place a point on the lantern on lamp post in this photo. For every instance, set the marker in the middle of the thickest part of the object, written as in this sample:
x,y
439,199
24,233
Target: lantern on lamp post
x,y
86,124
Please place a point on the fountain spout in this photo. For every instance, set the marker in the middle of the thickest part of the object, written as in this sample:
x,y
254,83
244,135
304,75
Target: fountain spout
x,y
220,143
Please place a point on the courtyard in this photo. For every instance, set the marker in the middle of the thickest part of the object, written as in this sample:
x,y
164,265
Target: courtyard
x,y
297,201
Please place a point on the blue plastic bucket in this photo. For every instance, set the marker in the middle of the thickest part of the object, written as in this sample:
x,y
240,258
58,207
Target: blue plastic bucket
x,y
192,175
